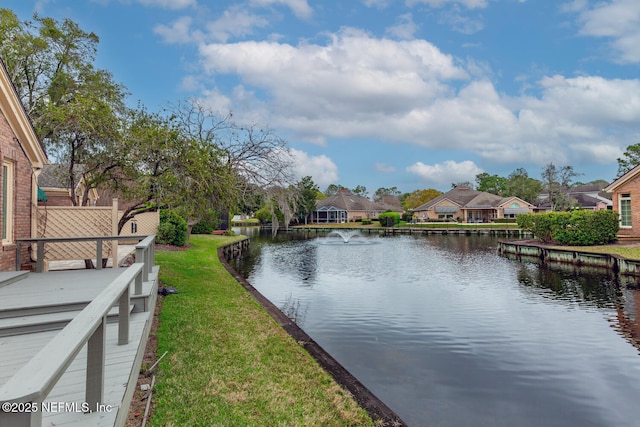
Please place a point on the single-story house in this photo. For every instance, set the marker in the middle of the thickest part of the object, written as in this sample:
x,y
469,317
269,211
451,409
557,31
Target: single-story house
x,y
625,192
471,206
22,159
348,207
588,196
54,182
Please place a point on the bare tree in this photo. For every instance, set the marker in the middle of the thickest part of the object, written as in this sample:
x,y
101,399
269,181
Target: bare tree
x,y
257,156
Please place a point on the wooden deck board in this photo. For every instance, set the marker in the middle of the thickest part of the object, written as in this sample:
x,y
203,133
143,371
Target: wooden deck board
x,y
118,368
120,361
57,287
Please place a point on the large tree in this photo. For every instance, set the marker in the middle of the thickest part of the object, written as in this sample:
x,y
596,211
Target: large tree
x,y
419,197
629,160
307,195
557,182
333,189
249,158
75,108
493,184
521,185
384,191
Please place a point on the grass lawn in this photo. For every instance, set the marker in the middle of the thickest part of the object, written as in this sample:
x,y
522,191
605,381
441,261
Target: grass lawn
x,y
228,362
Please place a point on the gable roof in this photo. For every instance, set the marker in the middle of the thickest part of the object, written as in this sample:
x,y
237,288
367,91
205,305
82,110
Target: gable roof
x,y
459,196
18,120
621,180
347,201
468,198
57,176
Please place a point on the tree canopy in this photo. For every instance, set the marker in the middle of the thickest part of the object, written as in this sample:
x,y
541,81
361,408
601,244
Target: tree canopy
x,y
629,160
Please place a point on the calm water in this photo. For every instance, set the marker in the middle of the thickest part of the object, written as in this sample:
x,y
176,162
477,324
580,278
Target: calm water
x,y
448,333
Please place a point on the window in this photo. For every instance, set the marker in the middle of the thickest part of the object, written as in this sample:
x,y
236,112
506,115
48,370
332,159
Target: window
x,y
625,210
7,202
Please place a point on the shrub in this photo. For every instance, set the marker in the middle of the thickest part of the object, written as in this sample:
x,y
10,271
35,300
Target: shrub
x,y
263,214
389,219
584,228
366,221
172,229
207,225
576,228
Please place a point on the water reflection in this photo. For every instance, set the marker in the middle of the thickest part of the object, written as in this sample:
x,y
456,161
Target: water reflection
x,y
448,333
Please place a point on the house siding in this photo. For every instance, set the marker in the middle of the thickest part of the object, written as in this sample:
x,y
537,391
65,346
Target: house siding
x,y
11,150
631,187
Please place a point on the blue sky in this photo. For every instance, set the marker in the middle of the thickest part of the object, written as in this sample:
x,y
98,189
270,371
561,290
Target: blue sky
x,y
381,93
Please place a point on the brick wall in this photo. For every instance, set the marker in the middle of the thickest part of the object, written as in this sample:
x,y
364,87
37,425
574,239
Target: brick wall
x,y
22,206
633,188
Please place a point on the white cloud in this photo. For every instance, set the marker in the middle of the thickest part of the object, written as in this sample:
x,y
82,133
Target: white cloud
x,y
446,173
461,23
618,20
235,22
384,168
300,8
409,92
470,4
378,4
169,4
320,168
404,29
340,88
178,32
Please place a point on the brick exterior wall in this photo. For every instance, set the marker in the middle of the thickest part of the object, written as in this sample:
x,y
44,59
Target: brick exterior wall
x,y
11,150
633,188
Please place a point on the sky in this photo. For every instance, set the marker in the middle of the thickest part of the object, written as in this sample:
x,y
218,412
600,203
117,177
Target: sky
x,y
411,94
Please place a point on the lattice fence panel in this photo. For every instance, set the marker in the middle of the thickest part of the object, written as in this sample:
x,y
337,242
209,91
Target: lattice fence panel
x,y
73,221
145,224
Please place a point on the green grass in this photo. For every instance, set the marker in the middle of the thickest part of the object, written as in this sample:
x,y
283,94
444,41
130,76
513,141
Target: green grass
x,y
228,362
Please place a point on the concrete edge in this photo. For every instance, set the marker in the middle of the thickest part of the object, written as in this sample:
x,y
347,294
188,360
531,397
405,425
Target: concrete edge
x,y
381,414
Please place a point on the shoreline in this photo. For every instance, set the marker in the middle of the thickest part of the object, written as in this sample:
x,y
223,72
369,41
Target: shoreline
x,y
375,407
576,256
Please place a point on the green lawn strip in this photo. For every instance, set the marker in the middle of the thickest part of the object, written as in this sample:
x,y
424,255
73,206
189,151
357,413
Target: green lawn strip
x,y
228,362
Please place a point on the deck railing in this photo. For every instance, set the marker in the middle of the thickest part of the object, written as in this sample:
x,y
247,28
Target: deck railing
x,y
40,245
29,387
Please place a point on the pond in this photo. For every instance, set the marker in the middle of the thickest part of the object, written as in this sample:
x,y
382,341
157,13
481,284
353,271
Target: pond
x,y
447,332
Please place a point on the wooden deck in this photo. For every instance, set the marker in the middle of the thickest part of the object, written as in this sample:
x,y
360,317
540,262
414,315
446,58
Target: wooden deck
x,y
32,300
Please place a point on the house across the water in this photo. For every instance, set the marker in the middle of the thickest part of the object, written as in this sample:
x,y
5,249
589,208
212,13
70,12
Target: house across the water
x,y
348,207
471,206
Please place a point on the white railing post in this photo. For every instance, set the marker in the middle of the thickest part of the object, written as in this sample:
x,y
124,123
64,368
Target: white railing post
x,y
95,365
40,259
98,254
123,317
138,286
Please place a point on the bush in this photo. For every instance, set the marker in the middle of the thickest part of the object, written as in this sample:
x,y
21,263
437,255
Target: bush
x,y
172,229
584,228
389,219
366,221
207,225
576,228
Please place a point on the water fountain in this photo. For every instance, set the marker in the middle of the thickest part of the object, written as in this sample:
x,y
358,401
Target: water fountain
x,y
346,235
